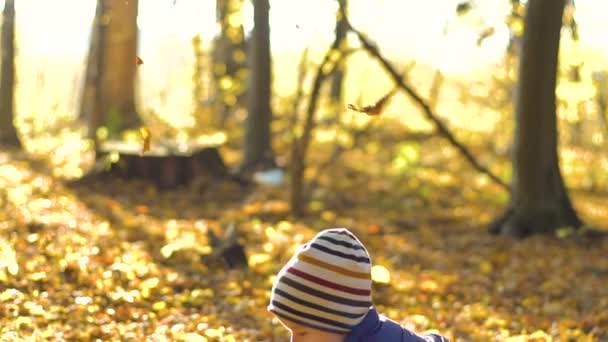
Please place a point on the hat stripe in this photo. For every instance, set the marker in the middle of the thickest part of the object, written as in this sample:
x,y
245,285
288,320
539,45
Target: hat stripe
x,y
337,269
310,277
322,314
319,326
316,306
340,254
320,301
341,243
333,276
310,316
343,231
341,249
324,295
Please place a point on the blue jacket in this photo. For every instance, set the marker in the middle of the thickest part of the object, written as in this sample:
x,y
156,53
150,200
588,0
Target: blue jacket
x,y
377,328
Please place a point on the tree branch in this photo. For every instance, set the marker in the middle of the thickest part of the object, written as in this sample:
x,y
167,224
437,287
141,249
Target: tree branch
x,y
300,145
443,130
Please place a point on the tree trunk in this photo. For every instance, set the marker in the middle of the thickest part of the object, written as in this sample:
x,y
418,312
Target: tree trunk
x,y
90,108
338,76
109,87
539,200
229,57
8,133
258,151
600,80
118,105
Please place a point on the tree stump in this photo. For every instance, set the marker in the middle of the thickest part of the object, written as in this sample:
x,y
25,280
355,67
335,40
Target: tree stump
x,y
168,165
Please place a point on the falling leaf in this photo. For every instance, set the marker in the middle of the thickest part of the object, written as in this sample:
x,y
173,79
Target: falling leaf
x,y
463,8
376,108
145,135
484,34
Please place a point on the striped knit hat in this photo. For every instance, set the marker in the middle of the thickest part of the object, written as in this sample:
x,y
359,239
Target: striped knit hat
x,y
326,285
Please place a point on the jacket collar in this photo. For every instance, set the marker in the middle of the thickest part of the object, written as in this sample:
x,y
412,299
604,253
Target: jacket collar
x,y
368,325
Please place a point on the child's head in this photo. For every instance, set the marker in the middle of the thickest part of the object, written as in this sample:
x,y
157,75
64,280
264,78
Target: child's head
x,y
325,288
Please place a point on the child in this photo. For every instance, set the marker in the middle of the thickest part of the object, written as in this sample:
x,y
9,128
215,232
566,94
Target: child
x,y
323,294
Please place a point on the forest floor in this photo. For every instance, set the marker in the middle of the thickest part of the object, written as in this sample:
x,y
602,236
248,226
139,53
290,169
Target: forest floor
x,y
116,260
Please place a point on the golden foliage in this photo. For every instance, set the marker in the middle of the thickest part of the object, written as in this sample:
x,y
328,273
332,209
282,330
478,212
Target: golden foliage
x,y
110,260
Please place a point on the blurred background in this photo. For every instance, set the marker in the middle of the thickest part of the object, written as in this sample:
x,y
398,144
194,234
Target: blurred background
x,y
208,137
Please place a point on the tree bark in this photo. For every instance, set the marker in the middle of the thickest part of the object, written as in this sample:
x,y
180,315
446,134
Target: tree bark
x,y
109,87
539,200
120,66
258,151
338,76
8,132
90,109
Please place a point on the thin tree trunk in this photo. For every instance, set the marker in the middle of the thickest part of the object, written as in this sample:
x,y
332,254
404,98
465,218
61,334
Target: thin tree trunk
x,y
87,101
539,200
338,76
229,57
299,148
96,116
258,151
118,105
8,133
600,80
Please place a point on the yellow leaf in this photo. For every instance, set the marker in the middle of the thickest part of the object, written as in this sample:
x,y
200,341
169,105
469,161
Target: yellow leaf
x,y
23,322
159,306
150,283
485,267
211,332
8,257
259,259
38,276
380,274
191,337
206,292
538,334
420,320
168,249
429,285
11,295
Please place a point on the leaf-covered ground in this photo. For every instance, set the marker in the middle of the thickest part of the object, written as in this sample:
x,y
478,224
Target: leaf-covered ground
x,y
111,260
